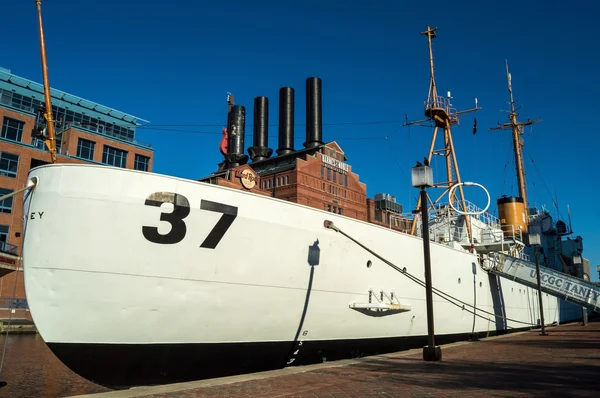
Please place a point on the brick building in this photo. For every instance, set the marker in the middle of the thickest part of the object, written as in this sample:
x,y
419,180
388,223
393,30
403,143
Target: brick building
x,y
316,176
86,132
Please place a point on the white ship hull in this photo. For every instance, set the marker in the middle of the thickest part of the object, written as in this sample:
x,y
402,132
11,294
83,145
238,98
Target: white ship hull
x,y
122,310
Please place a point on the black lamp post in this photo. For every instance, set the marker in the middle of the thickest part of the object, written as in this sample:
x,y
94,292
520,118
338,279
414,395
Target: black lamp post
x,y
535,240
422,177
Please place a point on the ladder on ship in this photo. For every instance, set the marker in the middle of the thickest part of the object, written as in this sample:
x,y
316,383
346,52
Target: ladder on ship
x,y
555,283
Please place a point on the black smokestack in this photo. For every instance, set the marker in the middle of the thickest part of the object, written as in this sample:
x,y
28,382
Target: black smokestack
x,y
314,112
286,120
236,129
260,150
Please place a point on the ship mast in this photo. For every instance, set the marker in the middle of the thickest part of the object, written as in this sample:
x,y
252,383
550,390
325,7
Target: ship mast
x,y
517,132
49,139
439,112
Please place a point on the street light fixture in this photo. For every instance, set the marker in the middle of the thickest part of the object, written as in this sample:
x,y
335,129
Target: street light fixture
x,y
535,239
422,178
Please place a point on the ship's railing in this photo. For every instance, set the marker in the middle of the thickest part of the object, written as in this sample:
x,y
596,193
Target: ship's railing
x,y
486,217
512,232
439,102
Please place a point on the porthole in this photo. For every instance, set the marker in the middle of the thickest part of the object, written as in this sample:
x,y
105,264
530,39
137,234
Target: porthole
x,y
480,284
459,281
369,264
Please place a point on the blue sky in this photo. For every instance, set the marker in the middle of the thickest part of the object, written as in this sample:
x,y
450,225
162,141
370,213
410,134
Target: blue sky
x,y
173,64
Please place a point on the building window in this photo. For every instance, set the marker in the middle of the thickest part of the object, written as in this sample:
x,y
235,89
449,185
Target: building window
x,y
141,162
287,180
85,149
9,164
339,210
346,180
329,208
12,129
3,237
6,204
114,157
334,176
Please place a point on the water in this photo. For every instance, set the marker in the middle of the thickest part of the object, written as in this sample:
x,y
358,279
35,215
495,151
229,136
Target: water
x,y
32,370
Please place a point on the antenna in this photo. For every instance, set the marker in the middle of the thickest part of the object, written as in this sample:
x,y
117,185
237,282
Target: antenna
x,y
570,225
440,114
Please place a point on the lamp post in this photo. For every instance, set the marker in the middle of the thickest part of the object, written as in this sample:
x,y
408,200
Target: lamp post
x,y
535,240
422,178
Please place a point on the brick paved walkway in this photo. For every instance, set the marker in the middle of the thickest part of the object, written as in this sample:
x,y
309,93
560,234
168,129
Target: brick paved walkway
x,y
564,364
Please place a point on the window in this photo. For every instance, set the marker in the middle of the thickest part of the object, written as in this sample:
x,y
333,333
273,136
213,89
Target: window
x,y
114,157
6,204
328,174
339,210
287,180
334,176
322,171
141,162
9,164
3,234
85,149
329,208
346,180
12,129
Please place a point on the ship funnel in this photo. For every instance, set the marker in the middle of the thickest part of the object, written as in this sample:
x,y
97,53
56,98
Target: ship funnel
x,y
236,127
260,149
512,215
314,122
286,120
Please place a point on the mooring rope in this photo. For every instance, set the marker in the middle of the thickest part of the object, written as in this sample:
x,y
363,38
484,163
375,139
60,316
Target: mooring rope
x,y
449,298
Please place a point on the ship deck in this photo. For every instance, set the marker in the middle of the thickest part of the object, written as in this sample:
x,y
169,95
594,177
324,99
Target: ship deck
x,y
521,364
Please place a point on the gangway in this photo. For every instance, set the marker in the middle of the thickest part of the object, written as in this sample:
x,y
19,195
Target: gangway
x,y
555,283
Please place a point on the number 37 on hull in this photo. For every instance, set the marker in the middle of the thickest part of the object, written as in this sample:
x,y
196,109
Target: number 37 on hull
x,y
181,209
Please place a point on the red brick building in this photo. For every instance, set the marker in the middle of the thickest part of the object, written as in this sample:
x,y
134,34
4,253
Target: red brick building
x,y
86,132
317,175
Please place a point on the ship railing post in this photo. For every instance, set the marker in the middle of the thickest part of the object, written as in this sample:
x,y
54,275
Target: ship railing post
x,y
422,177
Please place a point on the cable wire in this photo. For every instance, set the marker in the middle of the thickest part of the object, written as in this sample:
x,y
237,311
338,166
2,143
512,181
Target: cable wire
x,y
438,292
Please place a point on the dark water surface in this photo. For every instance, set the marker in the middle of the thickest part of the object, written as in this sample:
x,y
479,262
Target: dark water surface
x,y
32,371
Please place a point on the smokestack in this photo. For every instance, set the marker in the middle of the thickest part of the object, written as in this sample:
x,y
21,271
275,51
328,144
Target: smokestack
x,y
314,122
260,150
236,129
286,120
